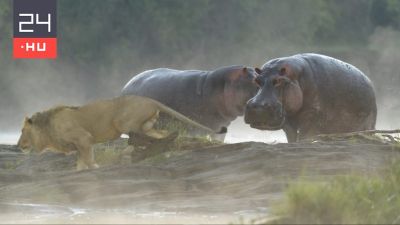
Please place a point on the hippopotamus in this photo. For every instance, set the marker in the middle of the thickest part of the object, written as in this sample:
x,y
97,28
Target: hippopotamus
x,y
311,94
211,98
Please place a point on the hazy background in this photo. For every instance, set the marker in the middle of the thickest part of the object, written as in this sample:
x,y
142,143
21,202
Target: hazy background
x,y
102,44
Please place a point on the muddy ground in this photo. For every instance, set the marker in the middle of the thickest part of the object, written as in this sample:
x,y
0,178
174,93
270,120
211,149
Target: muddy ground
x,y
213,184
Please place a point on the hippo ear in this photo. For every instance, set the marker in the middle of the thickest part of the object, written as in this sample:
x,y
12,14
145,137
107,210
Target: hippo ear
x,y
258,71
282,71
293,97
238,74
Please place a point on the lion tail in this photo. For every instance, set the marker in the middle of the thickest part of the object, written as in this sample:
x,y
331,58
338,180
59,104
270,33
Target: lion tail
x,y
183,118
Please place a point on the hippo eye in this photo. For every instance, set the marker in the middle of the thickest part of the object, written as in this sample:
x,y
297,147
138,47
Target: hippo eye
x,y
277,82
282,71
258,82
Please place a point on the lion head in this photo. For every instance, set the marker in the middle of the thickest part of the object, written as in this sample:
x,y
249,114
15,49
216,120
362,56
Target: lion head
x,y
28,136
32,135
36,132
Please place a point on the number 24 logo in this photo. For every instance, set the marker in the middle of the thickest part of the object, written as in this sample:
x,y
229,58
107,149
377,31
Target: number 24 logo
x,y
32,21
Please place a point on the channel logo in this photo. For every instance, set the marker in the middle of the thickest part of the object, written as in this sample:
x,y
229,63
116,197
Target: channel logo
x,y
35,29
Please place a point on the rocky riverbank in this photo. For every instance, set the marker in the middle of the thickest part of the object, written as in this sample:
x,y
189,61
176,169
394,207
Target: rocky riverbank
x,y
217,183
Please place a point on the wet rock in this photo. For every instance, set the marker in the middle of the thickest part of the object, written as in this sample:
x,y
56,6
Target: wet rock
x,y
10,155
48,161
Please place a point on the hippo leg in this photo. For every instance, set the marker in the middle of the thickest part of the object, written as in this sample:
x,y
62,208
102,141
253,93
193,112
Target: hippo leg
x,y
291,133
309,124
308,133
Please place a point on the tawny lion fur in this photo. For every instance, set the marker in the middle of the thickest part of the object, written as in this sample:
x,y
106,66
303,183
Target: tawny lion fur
x,y
68,129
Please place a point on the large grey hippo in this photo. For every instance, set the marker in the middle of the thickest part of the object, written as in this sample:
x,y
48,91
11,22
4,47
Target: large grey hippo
x,y
311,94
212,98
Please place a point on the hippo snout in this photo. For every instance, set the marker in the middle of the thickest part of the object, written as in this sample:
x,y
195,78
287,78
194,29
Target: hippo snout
x,y
265,115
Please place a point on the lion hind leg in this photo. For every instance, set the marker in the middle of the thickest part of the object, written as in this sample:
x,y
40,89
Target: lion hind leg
x,y
158,134
147,128
148,124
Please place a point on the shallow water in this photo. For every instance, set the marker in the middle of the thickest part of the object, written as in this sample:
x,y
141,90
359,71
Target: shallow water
x,y
49,214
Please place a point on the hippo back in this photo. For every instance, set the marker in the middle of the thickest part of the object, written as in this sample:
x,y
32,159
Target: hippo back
x,y
352,88
178,89
164,85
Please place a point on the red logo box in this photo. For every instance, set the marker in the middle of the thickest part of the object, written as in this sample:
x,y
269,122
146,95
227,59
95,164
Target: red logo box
x,y
35,48
35,29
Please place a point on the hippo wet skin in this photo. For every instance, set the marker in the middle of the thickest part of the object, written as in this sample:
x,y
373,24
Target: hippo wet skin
x,y
311,94
212,98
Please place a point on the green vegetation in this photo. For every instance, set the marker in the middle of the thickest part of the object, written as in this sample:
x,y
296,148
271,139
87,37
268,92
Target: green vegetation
x,y
110,153
344,200
183,143
184,140
166,122
390,137
108,156
159,152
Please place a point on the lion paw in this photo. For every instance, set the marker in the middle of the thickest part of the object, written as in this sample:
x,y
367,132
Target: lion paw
x,y
94,166
81,166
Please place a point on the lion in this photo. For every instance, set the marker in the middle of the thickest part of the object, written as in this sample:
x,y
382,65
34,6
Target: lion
x,y
69,129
